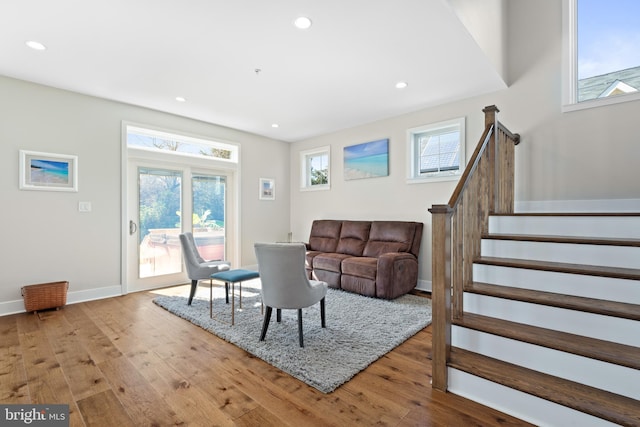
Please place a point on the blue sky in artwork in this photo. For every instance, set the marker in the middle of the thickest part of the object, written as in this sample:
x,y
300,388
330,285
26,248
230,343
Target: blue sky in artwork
x,y
367,149
608,36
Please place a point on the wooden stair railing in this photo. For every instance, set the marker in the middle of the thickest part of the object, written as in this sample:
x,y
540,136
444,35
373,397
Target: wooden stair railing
x,y
486,187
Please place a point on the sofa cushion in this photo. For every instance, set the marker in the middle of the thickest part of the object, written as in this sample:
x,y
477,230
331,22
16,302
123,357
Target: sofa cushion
x,y
389,236
324,235
360,266
359,285
353,237
329,262
308,259
330,277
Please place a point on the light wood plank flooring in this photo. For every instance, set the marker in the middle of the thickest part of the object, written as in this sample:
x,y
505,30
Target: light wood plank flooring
x,y
126,362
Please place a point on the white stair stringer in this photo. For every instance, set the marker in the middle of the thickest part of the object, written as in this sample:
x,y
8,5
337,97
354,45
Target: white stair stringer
x,y
530,408
624,227
588,254
607,328
595,373
582,285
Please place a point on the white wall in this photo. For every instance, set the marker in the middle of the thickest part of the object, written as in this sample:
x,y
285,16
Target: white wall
x,y
45,238
491,38
582,155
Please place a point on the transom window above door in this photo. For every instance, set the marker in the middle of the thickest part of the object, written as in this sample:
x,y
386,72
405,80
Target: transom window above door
x,y
159,141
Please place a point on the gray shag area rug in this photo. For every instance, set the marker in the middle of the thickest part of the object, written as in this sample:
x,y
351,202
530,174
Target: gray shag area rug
x,y
359,331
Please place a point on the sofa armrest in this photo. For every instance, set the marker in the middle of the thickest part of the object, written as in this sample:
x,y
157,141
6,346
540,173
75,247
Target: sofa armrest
x,y
397,274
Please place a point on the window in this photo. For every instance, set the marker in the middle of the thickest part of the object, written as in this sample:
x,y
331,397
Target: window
x,y
601,53
315,169
436,151
158,141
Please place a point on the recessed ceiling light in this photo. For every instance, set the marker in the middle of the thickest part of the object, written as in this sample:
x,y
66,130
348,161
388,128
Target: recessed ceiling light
x,y
35,45
401,85
302,22
275,125
180,99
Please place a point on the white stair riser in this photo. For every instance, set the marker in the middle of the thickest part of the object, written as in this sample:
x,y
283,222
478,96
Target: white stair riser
x,y
605,288
532,409
605,226
605,376
609,256
606,328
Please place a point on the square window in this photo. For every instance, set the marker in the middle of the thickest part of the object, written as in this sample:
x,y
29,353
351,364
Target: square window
x,y
315,169
436,151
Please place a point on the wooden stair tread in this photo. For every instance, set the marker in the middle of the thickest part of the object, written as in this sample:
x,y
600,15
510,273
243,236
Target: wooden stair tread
x,y
577,240
560,267
599,403
590,305
606,351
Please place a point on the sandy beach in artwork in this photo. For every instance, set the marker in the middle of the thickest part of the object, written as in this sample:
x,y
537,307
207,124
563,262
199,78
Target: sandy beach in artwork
x,y
350,173
43,176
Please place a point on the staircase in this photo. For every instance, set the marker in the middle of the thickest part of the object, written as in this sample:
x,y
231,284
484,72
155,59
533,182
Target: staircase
x,y
550,329
537,315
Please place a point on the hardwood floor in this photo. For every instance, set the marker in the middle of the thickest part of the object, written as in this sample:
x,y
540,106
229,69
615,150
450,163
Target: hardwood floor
x,y
126,362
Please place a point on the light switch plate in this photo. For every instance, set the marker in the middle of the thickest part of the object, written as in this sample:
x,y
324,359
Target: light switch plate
x,y
84,206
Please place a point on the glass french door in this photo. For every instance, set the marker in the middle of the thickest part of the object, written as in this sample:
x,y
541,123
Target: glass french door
x,y
164,201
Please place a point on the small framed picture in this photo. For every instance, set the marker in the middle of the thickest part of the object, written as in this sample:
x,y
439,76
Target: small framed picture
x,y
267,189
48,171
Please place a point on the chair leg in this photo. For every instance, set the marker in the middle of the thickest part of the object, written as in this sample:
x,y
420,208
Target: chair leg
x,y
226,292
194,286
300,327
278,315
322,317
265,323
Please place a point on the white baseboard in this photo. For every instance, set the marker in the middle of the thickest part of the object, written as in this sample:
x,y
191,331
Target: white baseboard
x,y
607,205
424,285
17,306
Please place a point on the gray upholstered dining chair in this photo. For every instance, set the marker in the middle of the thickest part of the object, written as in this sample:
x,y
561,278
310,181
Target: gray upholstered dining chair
x,y
197,267
285,284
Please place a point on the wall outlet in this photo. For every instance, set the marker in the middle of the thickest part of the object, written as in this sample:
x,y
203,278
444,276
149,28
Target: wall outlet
x,y
84,206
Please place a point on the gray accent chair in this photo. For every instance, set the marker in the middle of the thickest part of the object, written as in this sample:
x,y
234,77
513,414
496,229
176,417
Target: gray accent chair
x,y
285,284
197,267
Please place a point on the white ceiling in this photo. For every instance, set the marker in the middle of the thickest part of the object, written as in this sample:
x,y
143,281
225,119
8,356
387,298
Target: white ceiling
x,y
339,73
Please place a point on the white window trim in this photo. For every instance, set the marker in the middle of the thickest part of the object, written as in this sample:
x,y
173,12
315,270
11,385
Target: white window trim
x,y
186,137
304,172
570,65
413,176
229,167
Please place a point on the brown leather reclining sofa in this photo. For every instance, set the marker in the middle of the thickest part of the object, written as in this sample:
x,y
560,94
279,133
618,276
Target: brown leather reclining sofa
x,y
373,258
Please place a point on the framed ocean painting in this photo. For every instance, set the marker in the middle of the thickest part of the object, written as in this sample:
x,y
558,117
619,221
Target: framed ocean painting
x,y
48,171
367,160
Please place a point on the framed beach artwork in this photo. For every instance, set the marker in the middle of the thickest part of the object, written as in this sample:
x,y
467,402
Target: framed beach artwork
x,y
267,189
48,171
368,160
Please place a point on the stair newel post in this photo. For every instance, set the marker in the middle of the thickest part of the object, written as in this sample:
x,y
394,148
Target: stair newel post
x,y
493,153
441,293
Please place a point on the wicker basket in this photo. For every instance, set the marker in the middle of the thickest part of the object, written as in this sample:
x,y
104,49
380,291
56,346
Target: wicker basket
x,y
45,295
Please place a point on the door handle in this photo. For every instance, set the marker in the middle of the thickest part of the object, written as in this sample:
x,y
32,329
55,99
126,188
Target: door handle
x,y
133,227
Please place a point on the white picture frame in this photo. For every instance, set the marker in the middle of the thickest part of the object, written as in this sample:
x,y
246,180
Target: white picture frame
x,y
267,189
48,171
